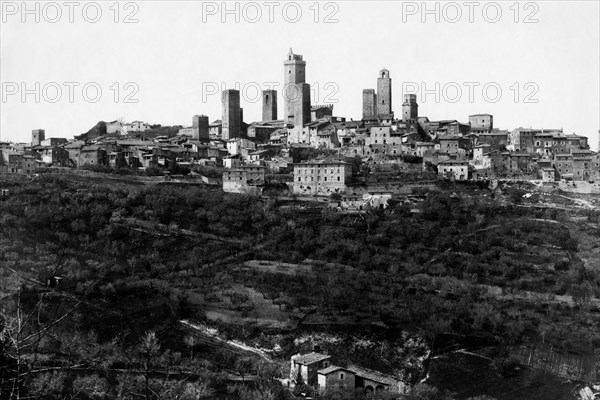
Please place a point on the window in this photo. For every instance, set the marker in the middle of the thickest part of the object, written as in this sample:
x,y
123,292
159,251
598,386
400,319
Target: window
x,y
341,375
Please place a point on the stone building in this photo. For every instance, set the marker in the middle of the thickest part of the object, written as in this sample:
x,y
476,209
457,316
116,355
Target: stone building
x,y
37,136
338,378
522,139
548,174
449,127
549,143
309,132
52,142
384,135
92,155
454,169
321,112
326,138
582,165
304,368
450,144
74,149
481,123
215,129
316,370
262,130
136,126
245,179
55,155
520,162
498,140
240,146
321,178
21,164
563,163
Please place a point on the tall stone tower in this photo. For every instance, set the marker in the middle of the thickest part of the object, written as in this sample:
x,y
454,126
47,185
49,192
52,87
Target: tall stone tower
x,y
37,136
269,108
231,121
294,69
369,103
200,127
384,93
296,92
410,108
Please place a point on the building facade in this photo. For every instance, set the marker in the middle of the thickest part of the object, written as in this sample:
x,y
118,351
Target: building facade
x,y
321,178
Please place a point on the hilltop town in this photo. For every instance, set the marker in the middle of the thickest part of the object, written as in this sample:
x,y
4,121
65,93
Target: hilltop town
x,y
310,256
311,152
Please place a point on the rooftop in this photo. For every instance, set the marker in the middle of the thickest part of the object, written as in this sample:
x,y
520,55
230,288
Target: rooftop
x,y
333,368
372,375
454,162
311,358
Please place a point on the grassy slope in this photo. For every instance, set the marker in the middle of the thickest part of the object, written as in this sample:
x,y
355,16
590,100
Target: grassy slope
x,y
452,273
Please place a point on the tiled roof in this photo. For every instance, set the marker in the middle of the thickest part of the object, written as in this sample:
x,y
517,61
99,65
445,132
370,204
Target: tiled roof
x,y
311,358
333,368
372,375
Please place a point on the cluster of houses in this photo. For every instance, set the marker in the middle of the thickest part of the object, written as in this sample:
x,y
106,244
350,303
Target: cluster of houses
x,y
317,371
254,154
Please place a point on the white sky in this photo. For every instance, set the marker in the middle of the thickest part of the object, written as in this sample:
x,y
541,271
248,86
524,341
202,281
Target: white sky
x,y
176,48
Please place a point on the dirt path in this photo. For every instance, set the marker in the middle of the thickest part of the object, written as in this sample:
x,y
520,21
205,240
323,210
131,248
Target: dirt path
x,y
214,336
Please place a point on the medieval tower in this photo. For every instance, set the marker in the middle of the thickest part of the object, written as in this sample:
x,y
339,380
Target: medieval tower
x,y
37,136
231,128
369,104
269,108
410,108
384,93
296,92
200,127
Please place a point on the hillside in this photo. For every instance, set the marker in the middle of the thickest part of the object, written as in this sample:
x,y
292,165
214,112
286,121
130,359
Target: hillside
x,y
104,266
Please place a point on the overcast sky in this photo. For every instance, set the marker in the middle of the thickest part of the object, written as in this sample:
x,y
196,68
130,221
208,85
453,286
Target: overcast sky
x,y
530,64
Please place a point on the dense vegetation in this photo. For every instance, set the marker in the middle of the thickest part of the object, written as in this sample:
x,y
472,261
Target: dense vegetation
x,y
95,277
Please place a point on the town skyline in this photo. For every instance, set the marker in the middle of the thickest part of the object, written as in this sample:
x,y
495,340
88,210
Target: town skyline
x,y
171,100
